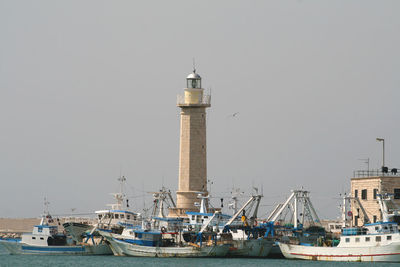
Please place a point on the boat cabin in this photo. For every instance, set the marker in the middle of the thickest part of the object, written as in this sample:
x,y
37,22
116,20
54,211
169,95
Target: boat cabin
x,y
373,234
167,225
108,219
44,235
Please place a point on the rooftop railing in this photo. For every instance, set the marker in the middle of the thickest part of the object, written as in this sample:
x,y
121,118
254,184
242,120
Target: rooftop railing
x,y
378,172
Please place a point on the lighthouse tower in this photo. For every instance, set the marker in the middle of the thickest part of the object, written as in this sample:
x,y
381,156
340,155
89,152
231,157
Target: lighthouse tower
x,y
193,148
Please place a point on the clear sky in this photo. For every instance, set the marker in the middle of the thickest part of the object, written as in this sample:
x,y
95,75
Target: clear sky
x,y
88,92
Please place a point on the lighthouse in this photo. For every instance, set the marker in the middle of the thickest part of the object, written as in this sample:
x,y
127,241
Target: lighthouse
x,y
193,147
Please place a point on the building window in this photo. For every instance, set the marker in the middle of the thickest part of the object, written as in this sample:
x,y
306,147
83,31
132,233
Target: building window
x,y
375,193
378,239
357,239
396,193
375,218
367,239
364,194
356,193
347,240
389,237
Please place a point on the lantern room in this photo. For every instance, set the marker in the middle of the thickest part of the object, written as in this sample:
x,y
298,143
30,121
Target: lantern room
x,y
193,80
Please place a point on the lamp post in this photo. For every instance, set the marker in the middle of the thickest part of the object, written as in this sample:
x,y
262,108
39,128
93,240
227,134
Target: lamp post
x,y
383,150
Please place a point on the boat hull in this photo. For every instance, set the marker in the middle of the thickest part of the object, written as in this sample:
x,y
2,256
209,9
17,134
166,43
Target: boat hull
x,y
77,230
384,253
123,248
129,249
15,247
258,248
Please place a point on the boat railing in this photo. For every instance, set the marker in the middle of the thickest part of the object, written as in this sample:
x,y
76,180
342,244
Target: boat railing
x,y
83,220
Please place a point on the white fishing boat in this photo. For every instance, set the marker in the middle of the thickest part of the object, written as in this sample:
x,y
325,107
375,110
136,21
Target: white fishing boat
x,y
45,239
114,219
160,236
372,242
167,242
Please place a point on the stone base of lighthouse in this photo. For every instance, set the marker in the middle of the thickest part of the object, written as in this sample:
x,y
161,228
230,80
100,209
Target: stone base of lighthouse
x,y
185,200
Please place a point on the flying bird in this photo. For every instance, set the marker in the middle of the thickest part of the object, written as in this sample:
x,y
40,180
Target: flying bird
x,y
233,115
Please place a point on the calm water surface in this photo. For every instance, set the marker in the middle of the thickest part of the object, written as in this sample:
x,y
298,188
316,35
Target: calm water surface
x,y
36,260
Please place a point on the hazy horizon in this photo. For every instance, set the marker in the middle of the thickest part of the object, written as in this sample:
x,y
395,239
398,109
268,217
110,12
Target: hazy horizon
x,y
88,93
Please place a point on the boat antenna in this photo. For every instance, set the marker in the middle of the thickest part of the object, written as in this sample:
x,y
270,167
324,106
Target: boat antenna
x,y
144,202
46,206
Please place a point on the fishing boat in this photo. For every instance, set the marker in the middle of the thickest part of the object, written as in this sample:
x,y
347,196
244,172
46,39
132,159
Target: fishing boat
x,y
167,242
245,234
45,239
160,236
239,230
114,219
372,242
293,221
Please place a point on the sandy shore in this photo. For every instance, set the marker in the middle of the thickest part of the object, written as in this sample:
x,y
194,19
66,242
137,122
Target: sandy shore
x,y
15,225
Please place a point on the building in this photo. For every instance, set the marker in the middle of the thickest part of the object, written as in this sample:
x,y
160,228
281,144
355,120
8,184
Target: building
x,y
365,185
193,147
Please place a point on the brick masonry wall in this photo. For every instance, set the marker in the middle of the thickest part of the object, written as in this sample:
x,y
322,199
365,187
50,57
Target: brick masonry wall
x,y
384,184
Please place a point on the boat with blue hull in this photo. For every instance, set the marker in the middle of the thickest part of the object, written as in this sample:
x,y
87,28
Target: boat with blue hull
x,y
152,244
46,240
162,237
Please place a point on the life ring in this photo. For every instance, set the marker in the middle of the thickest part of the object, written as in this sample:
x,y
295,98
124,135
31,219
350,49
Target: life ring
x,y
349,213
190,228
163,229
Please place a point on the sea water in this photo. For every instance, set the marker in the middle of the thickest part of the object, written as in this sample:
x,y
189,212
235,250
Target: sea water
x,y
69,260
